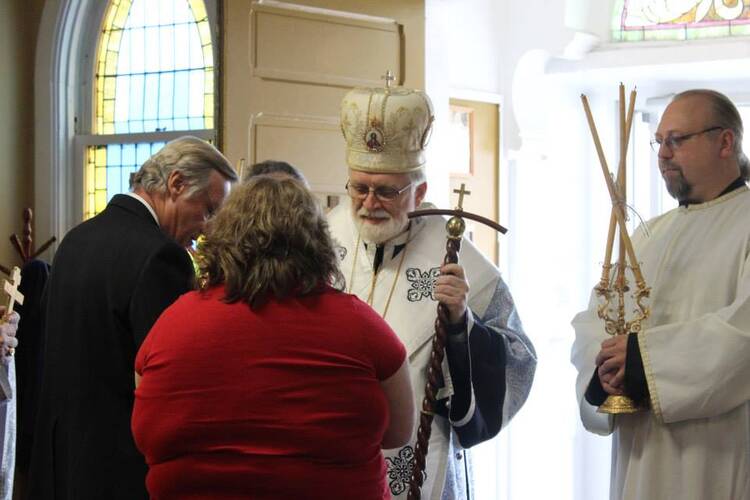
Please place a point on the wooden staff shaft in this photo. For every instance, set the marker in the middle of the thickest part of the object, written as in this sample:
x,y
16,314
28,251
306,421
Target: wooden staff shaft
x,y
42,248
434,380
16,242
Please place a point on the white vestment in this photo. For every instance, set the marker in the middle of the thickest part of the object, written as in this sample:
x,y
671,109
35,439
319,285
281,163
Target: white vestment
x,y
8,431
408,286
694,443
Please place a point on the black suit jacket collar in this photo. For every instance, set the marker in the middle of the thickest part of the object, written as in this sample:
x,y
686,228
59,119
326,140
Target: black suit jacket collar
x,y
127,202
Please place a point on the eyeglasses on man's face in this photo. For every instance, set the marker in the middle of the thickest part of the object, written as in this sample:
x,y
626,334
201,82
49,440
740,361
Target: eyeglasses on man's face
x,y
674,142
382,193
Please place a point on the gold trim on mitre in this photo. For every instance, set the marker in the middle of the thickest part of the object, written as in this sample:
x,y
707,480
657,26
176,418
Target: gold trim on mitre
x,y
386,129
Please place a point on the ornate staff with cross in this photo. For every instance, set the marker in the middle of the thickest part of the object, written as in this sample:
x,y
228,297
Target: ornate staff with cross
x,y
613,315
455,226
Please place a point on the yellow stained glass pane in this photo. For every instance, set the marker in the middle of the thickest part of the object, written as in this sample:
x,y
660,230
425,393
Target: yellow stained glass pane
x,y
101,157
122,15
110,67
208,56
103,47
114,41
108,128
110,17
91,205
204,31
109,111
110,85
208,122
100,178
208,104
101,201
208,82
199,9
90,186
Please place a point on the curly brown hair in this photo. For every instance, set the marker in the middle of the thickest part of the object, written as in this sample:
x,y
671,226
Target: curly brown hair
x,y
269,238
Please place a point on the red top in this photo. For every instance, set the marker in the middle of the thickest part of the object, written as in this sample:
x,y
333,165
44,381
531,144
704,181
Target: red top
x,y
282,402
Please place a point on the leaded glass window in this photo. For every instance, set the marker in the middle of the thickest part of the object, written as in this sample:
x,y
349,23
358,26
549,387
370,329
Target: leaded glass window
x,y
154,80
649,20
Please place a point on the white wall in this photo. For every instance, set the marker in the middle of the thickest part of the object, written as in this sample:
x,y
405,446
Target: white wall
x,y
504,48
540,56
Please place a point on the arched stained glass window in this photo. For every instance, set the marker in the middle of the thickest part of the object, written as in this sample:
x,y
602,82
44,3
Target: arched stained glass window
x,y
154,81
650,20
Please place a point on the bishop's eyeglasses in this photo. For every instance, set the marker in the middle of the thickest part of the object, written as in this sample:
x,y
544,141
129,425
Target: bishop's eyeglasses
x,y
382,193
674,142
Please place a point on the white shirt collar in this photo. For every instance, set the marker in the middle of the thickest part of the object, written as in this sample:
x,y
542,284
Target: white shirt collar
x,y
149,207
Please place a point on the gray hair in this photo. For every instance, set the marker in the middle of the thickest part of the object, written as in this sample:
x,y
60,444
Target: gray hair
x,y
725,116
417,176
271,167
194,158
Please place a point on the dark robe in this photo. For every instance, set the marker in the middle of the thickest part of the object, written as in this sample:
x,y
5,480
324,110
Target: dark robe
x,y
29,360
111,278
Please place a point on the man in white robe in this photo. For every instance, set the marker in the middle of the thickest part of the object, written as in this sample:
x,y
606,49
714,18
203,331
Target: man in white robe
x,y
395,266
691,361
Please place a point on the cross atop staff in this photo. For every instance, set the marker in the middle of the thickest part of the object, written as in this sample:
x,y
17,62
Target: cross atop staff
x,y
11,288
14,296
389,78
461,192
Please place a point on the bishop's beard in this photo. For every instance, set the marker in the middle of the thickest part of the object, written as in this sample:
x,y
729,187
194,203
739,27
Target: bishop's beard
x,y
379,233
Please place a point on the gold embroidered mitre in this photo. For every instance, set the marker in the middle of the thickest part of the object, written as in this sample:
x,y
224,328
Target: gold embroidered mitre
x,y
386,129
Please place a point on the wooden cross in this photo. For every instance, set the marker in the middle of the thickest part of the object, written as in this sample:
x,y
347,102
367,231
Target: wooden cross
x,y
23,246
461,192
13,294
389,78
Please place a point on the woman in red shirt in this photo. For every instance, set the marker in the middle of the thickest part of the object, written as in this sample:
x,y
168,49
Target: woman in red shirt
x,y
267,382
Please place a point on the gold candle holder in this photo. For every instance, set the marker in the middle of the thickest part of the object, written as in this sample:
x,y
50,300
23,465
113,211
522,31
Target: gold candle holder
x,y
613,294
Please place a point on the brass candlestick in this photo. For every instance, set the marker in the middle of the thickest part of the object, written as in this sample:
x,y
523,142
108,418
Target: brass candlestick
x,y
612,308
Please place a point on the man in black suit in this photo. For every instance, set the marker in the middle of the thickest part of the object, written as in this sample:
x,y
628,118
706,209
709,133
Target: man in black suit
x,y
111,278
